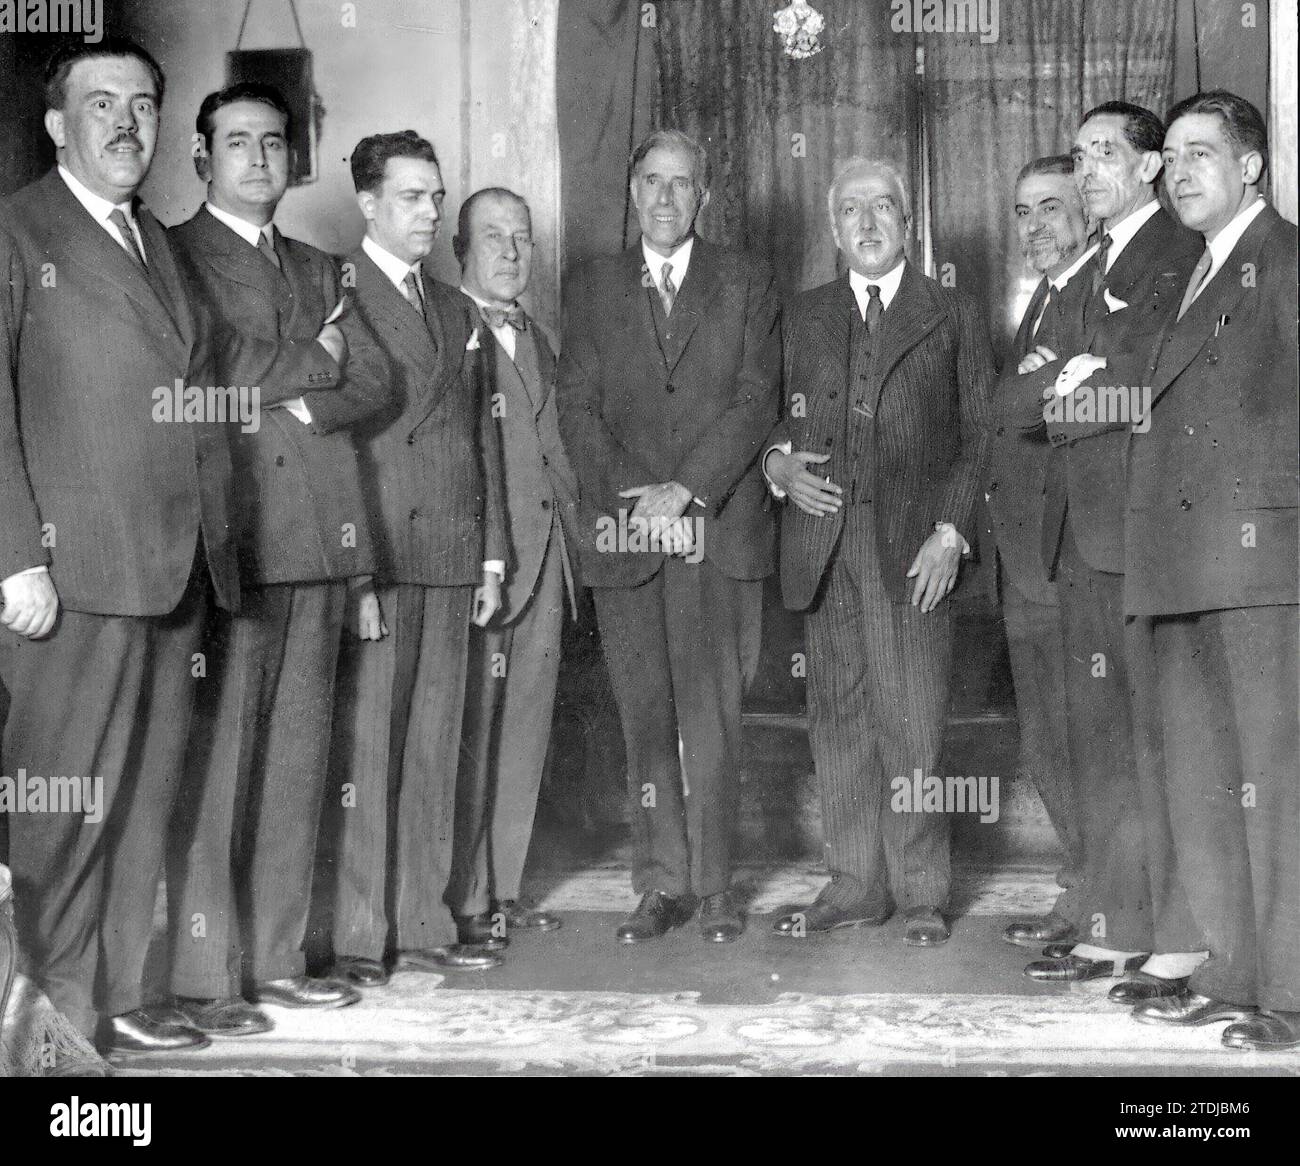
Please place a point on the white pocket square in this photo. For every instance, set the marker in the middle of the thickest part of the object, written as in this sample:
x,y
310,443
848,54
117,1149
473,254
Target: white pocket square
x,y
472,344
1113,304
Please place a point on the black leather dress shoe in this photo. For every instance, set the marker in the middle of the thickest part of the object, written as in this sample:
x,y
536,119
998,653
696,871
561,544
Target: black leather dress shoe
x,y
1145,987
1074,968
146,1030
1058,951
655,915
524,917
305,992
822,916
230,1016
454,957
926,927
1264,1032
483,931
1187,1009
1036,932
720,921
358,970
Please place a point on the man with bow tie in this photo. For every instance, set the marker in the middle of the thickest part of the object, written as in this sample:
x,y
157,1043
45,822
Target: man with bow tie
x,y
668,386
434,494
115,536
514,661
243,842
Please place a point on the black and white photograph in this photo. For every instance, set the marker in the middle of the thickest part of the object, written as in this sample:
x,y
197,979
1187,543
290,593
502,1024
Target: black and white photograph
x,y
649,538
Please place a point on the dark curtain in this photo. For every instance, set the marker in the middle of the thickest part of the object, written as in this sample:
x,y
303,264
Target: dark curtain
x,y
776,127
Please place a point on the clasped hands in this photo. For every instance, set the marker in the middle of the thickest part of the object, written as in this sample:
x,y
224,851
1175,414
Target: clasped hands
x,y
1077,369
662,505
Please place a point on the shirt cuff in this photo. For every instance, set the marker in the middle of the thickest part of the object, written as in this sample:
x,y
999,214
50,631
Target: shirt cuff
x,y
298,407
497,566
787,448
948,529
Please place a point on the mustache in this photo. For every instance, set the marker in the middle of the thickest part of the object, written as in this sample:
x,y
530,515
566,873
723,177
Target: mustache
x,y
126,138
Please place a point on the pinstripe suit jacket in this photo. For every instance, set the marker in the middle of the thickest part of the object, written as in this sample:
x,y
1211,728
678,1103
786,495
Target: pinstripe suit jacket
x,y
298,486
90,484
431,461
928,406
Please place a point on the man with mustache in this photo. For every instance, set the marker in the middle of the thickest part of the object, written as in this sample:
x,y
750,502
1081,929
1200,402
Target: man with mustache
x,y
1143,257
668,387
115,536
243,840
1211,581
880,451
515,661
1052,226
434,493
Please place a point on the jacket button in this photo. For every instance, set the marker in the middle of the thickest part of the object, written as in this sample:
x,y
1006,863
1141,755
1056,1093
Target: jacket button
x,y
992,486
828,443
1185,504
279,459
546,504
672,388
832,395
1190,430
545,460
1002,430
414,514
1213,358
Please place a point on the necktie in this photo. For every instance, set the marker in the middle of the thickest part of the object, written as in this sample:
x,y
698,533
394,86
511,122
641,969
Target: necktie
x,y
1199,272
1099,271
411,290
265,247
875,308
119,220
668,290
1034,311
497,317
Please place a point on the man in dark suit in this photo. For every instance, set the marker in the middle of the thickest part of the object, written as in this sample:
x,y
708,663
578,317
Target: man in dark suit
x,y
515,661
881,449
243,842
1053,226
432,484
115,538
668,386
1142,257
1211,550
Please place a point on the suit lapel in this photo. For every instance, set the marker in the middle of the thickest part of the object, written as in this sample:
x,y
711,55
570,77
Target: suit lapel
x,y
829,323
907,321
693,300
240,262
398,324
638,307
448,326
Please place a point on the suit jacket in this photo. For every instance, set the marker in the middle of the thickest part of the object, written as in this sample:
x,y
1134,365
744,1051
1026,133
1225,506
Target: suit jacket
x,y
430,461
541,489
1016,480
1088,470
1212,487
90,484
302,517
686,398
928,437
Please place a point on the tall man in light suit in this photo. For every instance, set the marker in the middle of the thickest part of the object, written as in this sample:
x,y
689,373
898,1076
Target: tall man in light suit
x,y
668,386
243,842
433,488
1143,258
114,536
1052,225
515,661
880,450
1210,554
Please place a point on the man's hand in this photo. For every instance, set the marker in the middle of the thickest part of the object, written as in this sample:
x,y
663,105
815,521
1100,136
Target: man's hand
x,y
331,339
1032,361
676,536
1077,370
365,619
661,500
487,599
935,568
814,494
31,604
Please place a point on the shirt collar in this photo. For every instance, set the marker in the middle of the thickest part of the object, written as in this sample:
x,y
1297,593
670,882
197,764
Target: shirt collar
x,y
388,263
1121,234
679,259
1070,272
482,303
888,284
242,227
99,208
1227,239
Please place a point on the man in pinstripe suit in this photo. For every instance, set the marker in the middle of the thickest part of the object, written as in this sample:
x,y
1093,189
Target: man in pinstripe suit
x,y
887,374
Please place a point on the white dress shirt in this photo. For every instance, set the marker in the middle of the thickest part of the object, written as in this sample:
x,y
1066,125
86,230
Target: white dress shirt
x,y
1121,234
505,335
395,269
887,283
677,262
101,208
1222,244
1059,281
